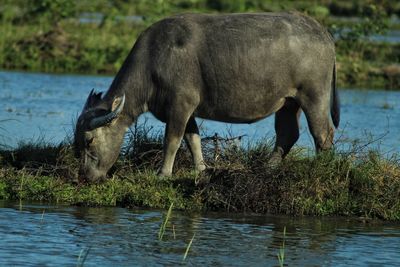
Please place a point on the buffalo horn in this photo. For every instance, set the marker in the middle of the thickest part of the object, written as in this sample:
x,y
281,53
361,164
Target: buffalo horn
x,y
92,100
109,117
85,107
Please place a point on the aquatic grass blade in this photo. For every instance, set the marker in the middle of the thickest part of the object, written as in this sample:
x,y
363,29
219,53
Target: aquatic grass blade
x,y
281,254
188,248
41,218
161,232
82,257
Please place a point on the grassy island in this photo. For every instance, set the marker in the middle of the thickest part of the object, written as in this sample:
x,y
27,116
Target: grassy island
x,y
354,183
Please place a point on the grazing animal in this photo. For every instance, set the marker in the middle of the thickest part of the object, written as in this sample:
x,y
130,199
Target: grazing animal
x,y
236,68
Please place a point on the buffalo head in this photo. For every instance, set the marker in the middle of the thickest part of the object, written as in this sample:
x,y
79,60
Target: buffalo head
x,y
98,136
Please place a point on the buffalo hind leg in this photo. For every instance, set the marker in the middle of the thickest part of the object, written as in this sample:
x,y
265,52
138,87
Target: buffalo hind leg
x,y
317,114
192,138
287,130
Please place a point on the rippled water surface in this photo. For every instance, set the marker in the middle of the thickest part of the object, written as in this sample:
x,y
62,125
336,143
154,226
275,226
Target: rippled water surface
x,y
43,107
43,235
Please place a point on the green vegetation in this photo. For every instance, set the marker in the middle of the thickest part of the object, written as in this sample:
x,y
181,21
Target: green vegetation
x,y
82,257
96,36
164,224
281,254
188,248
354,183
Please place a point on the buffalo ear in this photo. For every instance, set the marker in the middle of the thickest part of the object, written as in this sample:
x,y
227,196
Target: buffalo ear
x,y
118,104
116,108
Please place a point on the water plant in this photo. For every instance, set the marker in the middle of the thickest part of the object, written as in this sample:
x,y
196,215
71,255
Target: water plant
x,y
281,254
83,254
386,105
42,217
161,232
188,247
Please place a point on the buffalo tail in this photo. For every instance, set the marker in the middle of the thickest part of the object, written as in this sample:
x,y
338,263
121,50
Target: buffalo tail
x,y
335,102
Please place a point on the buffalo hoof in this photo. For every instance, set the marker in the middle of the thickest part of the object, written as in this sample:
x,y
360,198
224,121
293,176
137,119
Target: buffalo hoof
x,y
200,167
274,161
164,174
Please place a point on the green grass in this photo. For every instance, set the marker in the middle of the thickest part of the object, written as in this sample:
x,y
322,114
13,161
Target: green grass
x,y
163,227
281,254
354,183
188,248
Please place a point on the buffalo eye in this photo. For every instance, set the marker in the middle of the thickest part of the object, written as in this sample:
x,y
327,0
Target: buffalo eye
x,y
88,142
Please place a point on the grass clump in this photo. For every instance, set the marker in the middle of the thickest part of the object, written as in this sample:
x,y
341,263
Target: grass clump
x,y
330,184
163,227
238,179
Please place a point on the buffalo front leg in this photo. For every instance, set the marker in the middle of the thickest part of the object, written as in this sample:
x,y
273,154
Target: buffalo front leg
x,y
193,140
174,131
287,130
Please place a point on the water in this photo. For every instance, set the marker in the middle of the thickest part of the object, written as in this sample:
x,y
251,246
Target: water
x,y
54,235
97,18
36,106
392,36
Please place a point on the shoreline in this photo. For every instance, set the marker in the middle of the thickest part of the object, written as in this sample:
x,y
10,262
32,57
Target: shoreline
x,y
360,86
379,82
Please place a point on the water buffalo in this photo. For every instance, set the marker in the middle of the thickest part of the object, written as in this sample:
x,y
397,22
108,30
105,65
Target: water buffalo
x,y
236,68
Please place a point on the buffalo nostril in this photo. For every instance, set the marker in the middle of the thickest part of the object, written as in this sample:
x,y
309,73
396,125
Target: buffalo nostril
x,y
89,175
82,175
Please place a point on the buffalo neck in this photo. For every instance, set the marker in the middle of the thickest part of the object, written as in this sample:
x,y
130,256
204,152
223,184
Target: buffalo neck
x,y
131,81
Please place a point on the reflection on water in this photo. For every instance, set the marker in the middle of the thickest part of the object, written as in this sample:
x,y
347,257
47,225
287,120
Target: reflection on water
x,y
34,234
44,107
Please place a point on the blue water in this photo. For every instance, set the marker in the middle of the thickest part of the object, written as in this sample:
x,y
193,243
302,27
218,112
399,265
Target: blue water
x,y
55,235
35,106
